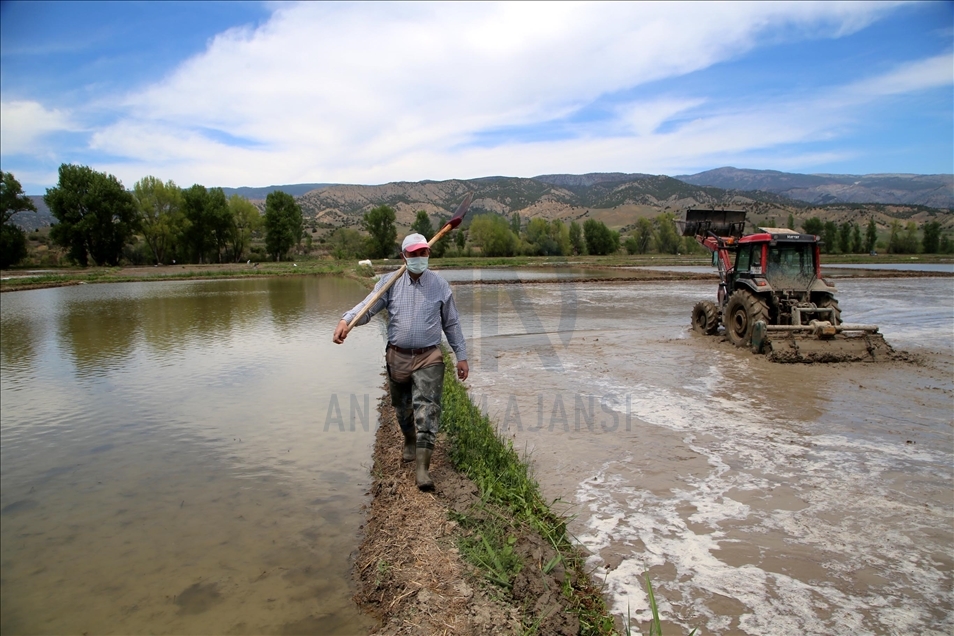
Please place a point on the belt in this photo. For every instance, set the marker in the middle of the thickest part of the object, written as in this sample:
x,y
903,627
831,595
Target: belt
x,y
412,352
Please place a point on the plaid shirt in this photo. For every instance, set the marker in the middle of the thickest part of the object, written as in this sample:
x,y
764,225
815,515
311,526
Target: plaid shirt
x,y
419,310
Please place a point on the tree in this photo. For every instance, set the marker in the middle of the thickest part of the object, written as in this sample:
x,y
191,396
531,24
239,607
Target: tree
x,y
159,210
246,220
644,235
492,233
946,245
283,223
844,237
461,240
668,240
12,240
422,225
791,221
379,223
197,232
95,214
599,239
830,237
911,238
347,243
220,220
515,224
857,246
691,246
631,245
894,237
539,238
871,236
903,243
576,238
814,226
560,233
932,237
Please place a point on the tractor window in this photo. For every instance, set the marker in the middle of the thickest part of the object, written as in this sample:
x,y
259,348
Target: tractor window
x,y
743,259
791,266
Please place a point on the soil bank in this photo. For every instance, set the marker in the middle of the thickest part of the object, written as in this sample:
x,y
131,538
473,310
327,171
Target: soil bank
x,y
409,571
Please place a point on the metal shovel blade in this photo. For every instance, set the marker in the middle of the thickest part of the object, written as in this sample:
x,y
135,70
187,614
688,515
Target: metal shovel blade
x,y
461,211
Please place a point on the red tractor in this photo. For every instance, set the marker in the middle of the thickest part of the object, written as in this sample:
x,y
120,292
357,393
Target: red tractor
x,y
772,296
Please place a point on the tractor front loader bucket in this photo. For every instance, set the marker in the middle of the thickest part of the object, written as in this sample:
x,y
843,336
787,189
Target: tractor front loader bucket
x,y
718,222
820,341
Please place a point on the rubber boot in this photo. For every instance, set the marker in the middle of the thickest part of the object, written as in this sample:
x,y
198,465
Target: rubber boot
x,y
410,446
423,465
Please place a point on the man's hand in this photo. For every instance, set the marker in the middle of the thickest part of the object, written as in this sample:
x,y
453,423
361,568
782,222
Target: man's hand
x,y
462,370
341,332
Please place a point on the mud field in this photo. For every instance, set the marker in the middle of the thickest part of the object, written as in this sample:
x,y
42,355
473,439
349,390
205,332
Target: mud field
x,y
760,498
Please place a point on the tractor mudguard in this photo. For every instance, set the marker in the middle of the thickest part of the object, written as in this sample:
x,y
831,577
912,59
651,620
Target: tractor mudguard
x,y
750,285
820,286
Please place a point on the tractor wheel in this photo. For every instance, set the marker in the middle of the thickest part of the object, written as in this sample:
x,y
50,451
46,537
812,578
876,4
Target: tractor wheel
x,y
741,313
705,317
827,300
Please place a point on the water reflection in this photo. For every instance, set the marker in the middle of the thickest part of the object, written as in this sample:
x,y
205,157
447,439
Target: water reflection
x,y
99,328
288,303
169,440
97,337
18,345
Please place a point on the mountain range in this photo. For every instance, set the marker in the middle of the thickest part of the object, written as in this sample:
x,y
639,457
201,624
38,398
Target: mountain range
x,y
933,190
617,199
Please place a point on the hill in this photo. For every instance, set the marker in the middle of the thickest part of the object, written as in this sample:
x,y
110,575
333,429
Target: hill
x,y
617,199
932,190
259,194
30,221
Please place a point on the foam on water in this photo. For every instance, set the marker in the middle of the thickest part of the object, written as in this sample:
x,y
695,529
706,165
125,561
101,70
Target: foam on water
x,y
848,510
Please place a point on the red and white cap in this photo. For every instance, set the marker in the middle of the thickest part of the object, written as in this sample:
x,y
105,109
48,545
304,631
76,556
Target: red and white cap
x,y
413,242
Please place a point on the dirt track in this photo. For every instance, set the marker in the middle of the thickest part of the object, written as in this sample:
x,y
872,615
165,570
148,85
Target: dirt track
x,y
409,572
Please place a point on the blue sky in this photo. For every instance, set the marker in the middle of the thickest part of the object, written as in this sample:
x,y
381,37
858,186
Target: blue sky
x,y
255,94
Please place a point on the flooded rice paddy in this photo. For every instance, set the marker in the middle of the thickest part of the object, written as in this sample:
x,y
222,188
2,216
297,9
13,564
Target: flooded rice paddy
x,y
184,457
192,457
760,498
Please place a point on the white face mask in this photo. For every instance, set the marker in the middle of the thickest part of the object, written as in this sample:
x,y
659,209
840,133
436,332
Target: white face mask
x,y
416,264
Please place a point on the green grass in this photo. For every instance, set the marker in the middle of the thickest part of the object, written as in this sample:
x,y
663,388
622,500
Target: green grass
x,y
510,497
655,625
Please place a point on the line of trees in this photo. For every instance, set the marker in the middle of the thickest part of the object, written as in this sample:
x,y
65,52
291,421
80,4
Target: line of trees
x,y
847,237
494,235
99,222
661,234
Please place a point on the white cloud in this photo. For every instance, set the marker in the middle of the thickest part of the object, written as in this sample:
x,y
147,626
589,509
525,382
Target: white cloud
x,y
644,118
914,76
23,124
378,92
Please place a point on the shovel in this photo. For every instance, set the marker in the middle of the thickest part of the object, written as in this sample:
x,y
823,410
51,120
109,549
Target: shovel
x,y
450,225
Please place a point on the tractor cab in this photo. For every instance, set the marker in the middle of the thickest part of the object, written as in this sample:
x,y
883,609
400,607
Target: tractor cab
x,y
778,259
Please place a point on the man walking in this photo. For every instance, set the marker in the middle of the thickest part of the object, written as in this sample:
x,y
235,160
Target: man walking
x,y
421,307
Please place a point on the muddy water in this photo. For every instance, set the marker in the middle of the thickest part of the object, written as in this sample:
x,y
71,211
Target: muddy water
x,y
183,457
759,498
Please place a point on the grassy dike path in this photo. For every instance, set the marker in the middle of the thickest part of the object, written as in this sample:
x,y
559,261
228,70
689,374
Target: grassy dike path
x,y
483,554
